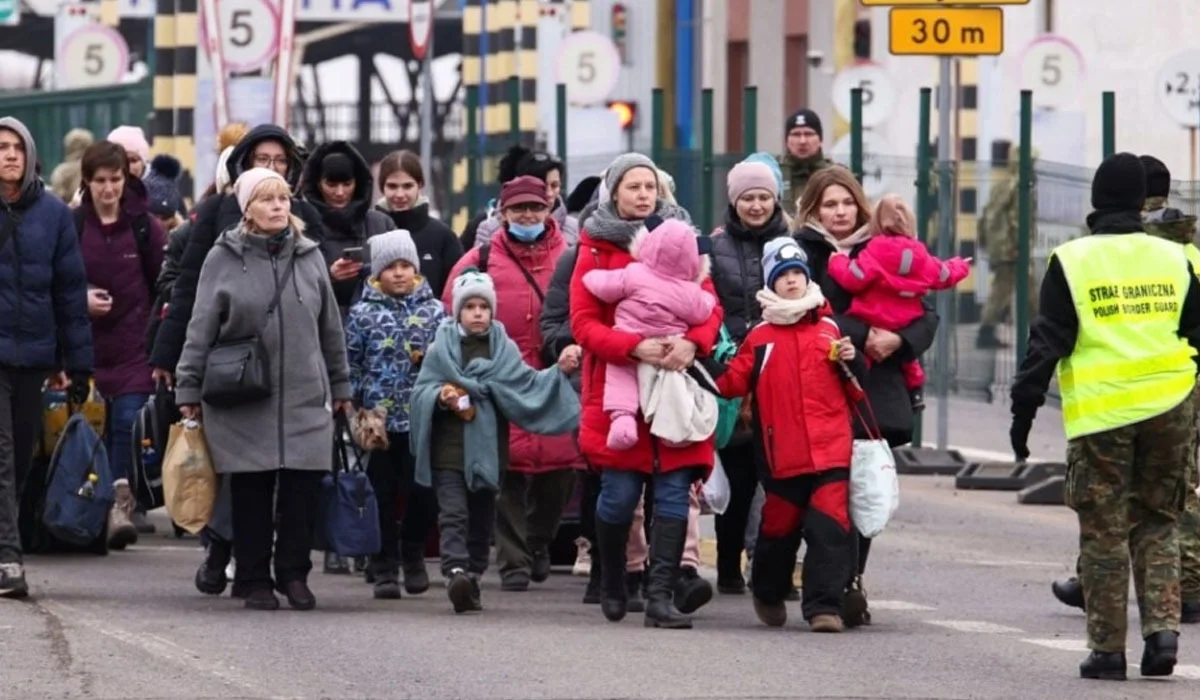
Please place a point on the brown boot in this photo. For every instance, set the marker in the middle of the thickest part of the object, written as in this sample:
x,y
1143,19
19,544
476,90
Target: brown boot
x,y
121,530
826,623
770,615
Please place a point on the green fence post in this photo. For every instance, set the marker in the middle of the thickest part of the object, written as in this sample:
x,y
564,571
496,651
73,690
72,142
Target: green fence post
x,y
750,119
657,122
514,108
472,116
1108,111
706,153
924,165
560,116
856,133
1024,216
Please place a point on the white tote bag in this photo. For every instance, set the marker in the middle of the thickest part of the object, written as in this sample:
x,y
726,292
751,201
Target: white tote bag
x,y
874,485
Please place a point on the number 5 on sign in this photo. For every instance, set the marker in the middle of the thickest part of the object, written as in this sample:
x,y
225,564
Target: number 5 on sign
x,y
589,65
946,31
1053,69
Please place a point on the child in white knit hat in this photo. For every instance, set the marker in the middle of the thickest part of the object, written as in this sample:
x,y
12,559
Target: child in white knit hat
x,y
472,385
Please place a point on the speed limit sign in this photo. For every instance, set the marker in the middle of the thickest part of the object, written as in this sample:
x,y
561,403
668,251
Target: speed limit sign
x,y
878,93
249,32
1052,67
590,66
92,56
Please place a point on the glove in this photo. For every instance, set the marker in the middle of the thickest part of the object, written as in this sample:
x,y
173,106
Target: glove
x,y
1018,434
80,387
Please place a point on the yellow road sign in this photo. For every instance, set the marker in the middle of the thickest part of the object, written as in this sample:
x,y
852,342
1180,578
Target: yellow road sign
x,y
939,3
946,31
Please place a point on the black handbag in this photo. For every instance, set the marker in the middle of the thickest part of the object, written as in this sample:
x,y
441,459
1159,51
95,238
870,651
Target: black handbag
x,y
238,371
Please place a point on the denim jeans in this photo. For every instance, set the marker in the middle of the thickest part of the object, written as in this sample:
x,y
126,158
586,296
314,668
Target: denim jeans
x,y
122,411
620,490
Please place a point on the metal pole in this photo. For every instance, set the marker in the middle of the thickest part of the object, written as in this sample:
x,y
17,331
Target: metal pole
x,y
750,119
1108,118
560,116
944,248
657,122
856,134
473,148
1024,222
923,168
427,111
514,108
706,153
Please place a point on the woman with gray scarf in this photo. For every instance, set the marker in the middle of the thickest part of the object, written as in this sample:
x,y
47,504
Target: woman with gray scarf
x,y
630,196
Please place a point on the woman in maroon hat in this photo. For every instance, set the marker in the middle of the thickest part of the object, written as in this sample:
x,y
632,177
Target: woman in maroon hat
x,y
540,478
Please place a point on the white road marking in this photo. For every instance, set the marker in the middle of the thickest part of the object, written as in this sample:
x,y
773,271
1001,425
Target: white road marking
x,y
1010,563
1188,671
160,647
1060,644
900,605
974,626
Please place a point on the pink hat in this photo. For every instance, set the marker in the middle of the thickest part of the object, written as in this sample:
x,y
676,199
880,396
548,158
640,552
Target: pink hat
x,y
750,175
526,189
131,138
249,181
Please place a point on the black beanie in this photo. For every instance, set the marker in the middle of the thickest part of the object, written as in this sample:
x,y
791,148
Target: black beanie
x,y
804,117
1158,178
337,167
1119,184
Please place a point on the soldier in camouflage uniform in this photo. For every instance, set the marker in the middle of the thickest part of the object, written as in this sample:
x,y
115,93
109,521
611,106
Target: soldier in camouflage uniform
x,y
802,156
999,234
1129,412
1173,225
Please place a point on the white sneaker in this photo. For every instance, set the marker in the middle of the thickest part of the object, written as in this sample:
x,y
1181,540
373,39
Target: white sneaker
x,y
231,569
583,557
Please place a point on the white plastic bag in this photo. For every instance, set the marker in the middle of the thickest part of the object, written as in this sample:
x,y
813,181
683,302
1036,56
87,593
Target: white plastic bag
x,y
716,488
874,486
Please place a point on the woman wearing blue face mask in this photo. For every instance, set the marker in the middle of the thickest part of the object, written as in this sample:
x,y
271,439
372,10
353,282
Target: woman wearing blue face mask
x,y
540,476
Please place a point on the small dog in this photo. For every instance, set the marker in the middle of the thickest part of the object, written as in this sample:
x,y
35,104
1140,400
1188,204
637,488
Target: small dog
x,y
370,429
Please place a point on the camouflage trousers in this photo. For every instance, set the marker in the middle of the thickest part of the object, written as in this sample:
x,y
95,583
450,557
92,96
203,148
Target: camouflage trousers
x,y
1002,294
1128,487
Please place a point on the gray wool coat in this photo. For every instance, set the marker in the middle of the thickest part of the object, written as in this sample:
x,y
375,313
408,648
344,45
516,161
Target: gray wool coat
x,y
293,429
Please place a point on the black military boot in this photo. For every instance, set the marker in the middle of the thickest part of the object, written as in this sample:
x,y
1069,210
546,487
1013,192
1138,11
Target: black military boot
x,y
1103,666
593,594
1189,612
987,340
611,540
1160,654
634,581
1069,592
691,591
666,547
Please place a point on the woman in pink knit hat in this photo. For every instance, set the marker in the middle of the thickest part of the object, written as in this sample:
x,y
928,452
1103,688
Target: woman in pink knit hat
x,y
137,148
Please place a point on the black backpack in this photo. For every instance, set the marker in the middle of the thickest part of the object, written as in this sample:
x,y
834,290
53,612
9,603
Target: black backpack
x,y
141,235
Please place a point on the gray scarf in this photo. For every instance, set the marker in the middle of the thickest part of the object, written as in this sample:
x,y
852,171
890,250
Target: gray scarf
x,y
604,224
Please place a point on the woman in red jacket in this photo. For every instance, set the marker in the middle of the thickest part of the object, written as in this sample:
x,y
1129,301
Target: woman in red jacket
x,y
628,196
802,438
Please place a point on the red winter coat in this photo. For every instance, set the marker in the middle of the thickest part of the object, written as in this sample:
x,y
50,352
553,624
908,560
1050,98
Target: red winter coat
x,y
519,308
592,324
889,277
801,401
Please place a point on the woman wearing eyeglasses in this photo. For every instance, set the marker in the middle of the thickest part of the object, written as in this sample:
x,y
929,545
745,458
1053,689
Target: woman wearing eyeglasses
x,y
833,215
630,194
518,162
541,470
265,146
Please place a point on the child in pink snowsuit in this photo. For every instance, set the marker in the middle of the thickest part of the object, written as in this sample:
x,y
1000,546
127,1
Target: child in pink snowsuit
x,y
891,274
657,296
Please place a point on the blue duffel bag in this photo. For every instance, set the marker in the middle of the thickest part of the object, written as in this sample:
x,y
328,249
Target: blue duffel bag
x,y
351,510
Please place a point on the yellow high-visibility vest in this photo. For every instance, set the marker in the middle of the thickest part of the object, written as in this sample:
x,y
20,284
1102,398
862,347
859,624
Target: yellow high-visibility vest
x,y
1129,363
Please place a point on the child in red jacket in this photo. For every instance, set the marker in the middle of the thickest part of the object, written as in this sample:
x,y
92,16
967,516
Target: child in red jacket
x,y
891,274
794,368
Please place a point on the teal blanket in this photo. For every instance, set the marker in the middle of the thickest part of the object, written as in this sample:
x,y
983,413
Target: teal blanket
x,y
541,402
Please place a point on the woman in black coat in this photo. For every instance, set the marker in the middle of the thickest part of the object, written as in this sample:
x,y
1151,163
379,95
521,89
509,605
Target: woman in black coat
x,y
833,214
402,180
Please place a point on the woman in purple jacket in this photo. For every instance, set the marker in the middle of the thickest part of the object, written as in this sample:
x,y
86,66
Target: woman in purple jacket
x,y
123,253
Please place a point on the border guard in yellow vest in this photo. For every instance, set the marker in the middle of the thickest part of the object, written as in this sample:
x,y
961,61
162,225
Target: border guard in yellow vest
x,y
1120,320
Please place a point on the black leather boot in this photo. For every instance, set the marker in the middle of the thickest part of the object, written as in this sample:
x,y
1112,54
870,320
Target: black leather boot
x,y
210,577
1069,592
666,547
691,591
634,581
611,541
593,594
1162,650
1103,666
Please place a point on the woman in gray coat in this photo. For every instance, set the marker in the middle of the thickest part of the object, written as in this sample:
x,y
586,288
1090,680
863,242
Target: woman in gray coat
x,y
282,442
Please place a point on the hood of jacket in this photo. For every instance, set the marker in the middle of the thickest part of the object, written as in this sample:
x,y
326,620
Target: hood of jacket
x,y
364,182
671,251
421,293
236,240
265,132
31,184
